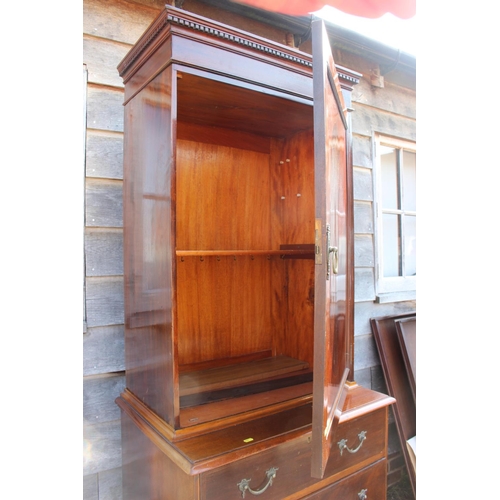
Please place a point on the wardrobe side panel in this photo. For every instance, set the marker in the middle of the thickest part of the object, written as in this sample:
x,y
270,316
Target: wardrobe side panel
x,y
148,246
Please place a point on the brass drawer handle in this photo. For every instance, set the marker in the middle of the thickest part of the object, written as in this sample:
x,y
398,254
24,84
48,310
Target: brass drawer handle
x,y
244,486
362,495
343,443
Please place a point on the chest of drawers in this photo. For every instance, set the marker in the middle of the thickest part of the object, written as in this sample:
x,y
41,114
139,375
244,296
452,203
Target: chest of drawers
x,y
255,458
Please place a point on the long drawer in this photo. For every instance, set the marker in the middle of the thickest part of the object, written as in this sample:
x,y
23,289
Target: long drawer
x,y
286,469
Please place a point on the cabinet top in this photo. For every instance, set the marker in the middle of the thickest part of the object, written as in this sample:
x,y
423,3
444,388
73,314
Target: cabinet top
x,y
186,26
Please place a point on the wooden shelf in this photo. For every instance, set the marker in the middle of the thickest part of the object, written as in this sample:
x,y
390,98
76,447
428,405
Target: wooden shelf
x,y
232,376
222,253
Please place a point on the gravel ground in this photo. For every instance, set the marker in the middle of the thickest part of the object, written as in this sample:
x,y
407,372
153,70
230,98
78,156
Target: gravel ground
x,y
401,490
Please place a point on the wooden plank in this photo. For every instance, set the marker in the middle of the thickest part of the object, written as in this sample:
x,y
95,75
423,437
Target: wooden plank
x,y
362,155
118,20
99,394
102,449
364,284
363,251
362,184
103,252
102,57
104,157
392,98
103,350
103,203
90,487
366,119
363,217
110,484
367,310
365,352
104,108
104,300
232,376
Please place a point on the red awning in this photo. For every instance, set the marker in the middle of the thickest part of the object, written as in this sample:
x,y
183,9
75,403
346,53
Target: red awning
x,y
403,9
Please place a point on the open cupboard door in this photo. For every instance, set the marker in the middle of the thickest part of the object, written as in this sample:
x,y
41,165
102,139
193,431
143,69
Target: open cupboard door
x,y
330,297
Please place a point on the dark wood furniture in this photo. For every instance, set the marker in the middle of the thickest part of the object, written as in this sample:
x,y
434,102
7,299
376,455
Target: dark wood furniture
x,y
239,272
397,381
406,330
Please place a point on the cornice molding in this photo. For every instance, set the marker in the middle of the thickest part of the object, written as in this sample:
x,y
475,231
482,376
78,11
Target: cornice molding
x,y
173,18
220,33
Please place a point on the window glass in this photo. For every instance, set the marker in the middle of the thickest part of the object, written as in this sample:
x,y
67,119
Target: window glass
x,y
390,230
409,180
410,233
388,164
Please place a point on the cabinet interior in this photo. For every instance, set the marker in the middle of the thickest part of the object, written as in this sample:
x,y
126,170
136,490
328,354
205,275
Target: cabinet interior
x,y
244,198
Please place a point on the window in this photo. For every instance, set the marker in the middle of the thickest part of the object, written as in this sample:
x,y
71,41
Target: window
x,y
396,216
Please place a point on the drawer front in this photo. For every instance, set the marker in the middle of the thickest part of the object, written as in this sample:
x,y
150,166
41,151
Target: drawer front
x,y
291,463
368,484
358,442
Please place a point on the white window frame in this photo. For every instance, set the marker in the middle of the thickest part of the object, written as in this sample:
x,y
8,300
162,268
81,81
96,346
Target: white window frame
x,y
400,288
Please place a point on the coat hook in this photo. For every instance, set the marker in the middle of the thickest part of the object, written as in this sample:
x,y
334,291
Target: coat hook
x,y
201,259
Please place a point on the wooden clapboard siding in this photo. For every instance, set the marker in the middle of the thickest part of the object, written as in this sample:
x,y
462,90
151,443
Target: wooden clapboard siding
x,y
91,487
110,484
104,108
101,447
99,394
363,217
106,485
104,157
102,57
401,101
103,203
117,20
364,255
104,301
364,288
367,119
363,184
103,350
104,252
362,151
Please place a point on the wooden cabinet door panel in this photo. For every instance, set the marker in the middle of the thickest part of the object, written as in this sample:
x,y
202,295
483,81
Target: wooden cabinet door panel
x,y
330,300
